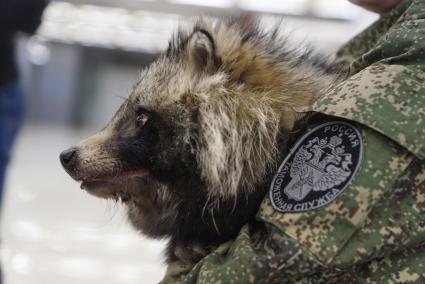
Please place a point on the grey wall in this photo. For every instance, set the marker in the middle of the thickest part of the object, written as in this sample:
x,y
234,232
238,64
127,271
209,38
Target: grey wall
x,y
77,85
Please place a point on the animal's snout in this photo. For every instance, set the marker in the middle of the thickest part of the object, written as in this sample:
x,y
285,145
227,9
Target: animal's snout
x,y
69,159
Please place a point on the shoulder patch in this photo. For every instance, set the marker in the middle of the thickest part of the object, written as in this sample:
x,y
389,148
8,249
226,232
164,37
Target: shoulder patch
x,y
318,168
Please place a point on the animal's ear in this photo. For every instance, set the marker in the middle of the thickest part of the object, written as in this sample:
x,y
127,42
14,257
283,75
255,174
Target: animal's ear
x,y
201,51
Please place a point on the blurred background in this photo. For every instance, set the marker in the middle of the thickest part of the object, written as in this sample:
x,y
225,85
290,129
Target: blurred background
x,y
75,70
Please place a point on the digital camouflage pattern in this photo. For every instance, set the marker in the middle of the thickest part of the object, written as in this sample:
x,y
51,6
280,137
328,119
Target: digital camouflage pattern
x,y
374,232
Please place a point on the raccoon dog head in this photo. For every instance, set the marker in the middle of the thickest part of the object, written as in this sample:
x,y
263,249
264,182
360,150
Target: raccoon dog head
x,y
202,128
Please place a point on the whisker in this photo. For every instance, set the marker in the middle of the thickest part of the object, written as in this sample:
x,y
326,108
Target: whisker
x,y
214,223
205,206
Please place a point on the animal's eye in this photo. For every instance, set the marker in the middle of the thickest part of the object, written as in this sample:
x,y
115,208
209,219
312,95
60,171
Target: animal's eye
x,y
142,118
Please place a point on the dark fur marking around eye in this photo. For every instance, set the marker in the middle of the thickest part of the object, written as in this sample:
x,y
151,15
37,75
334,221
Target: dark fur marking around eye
x,y
135,149
141,109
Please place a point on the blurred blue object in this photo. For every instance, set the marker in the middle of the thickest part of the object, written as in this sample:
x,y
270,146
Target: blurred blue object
x,y
11,117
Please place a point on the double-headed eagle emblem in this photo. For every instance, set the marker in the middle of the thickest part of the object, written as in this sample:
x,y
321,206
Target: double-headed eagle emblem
x,y
319,165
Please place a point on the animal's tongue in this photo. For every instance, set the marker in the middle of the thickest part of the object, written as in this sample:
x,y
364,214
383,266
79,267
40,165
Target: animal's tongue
x,y
101,181
136,173
127,174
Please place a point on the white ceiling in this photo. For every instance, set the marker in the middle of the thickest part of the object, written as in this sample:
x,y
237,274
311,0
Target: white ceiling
x,y
147,25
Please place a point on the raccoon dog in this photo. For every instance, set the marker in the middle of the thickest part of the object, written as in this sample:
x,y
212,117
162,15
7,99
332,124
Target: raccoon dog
x,y
192,151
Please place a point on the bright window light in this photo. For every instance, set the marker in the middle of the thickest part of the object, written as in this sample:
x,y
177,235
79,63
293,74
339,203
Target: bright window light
x,y
335,9
295,7
206,3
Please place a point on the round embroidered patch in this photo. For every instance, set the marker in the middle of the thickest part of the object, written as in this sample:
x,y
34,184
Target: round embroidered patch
x,y
318,168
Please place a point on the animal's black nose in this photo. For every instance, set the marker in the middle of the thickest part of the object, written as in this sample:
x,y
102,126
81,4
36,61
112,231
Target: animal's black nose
x,y
68,159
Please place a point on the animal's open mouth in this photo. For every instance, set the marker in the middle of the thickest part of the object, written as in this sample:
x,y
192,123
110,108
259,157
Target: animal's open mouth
x,y
105,181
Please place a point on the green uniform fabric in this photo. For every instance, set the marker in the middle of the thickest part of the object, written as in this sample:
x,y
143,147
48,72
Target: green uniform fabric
x,y
375,231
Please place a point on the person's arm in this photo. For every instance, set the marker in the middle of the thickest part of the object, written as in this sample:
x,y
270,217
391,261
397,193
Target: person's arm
x,y
21,15
378,6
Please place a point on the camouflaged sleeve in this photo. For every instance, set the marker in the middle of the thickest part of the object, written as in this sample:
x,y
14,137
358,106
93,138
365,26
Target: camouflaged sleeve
x,y
366,40
260,254
385,90
373,233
